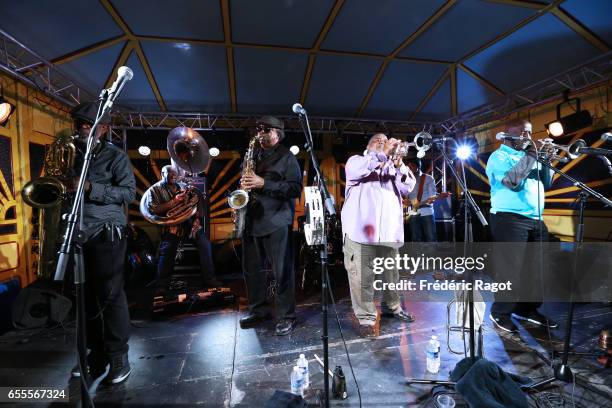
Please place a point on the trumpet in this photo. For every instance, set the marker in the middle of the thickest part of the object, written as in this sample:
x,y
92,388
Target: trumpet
x,y
572,150
422,142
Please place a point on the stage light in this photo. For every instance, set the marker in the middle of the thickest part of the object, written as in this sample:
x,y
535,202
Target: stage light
x,y
555,129
294,149
214,152
464,152
144,150
571,123
6,110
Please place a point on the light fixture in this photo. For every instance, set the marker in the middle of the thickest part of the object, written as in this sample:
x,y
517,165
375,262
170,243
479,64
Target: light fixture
x,y
6,110
571,123
144,150
466,148
294,149
214,152
464,152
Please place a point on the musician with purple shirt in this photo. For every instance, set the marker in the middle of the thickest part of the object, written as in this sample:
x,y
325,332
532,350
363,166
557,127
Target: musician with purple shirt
x,y
372,223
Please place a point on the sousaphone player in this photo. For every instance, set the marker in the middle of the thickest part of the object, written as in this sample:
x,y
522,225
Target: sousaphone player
x,y
178,207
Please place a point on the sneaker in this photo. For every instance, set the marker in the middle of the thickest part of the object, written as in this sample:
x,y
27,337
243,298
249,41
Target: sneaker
x,y
285,327
504,323
96,365
538,318
120,369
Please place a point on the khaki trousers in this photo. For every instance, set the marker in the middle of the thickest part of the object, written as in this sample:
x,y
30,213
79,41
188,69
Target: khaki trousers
x,y
358,261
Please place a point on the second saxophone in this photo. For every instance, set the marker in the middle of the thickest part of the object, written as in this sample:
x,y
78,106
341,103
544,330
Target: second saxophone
x,y
238,199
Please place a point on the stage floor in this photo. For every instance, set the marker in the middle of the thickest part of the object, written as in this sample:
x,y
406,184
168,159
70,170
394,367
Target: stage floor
x,y
206,359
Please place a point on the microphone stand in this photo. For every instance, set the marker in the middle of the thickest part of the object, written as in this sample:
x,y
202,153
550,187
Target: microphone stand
x,y
563,372
469,202
331,212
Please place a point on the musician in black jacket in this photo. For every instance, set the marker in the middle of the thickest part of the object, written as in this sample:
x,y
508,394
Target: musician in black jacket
x,y
110,186
276,184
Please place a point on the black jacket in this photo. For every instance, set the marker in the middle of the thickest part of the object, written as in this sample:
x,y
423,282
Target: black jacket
x,y
112,186
273,206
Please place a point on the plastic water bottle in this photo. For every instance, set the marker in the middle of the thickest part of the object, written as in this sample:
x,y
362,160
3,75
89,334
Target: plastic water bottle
x,y
433,355
297,382
303,364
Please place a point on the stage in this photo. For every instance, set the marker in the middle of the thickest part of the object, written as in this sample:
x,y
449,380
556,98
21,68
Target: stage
x,y
205,358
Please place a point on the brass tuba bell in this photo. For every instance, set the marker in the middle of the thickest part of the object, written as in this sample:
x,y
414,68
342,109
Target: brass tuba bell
x,y
189,151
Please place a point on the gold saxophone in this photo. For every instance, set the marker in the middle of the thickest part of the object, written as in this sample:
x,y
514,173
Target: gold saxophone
x,y
47,194
238,199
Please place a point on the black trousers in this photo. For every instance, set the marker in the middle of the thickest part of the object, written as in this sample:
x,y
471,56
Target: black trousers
x,y
511,227
422,228
108,317
167,254
276,248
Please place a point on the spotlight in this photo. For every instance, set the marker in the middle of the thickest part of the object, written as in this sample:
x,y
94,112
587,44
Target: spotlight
x,y
571,123
144,150
555,129
214,152
464,152
294,149
6,110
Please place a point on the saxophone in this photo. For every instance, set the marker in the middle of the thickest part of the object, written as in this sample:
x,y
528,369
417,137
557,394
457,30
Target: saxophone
x,y
47,194
238,199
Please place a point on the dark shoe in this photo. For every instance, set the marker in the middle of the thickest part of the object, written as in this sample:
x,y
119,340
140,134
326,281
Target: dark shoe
x,y
252,320
401,315
504,323
212,283
120,369
285,327
96,365
538,318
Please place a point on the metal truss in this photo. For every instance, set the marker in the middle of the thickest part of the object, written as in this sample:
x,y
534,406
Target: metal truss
x,y
237,122
590,74
22,63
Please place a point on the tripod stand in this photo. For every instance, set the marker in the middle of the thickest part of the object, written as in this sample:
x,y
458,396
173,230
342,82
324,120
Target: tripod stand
x,y
563,372
470,203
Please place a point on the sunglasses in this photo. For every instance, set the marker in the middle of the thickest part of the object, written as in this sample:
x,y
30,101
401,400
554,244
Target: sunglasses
x,y
264,128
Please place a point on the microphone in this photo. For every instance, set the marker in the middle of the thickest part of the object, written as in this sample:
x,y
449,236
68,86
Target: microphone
x,y
299,109
506,136
124,74
606,136
594,150
607,163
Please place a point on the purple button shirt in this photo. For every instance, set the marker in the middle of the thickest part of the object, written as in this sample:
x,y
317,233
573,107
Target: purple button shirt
x,y
372,210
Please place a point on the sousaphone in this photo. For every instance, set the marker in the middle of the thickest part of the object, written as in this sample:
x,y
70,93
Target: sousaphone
x,y
189,153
